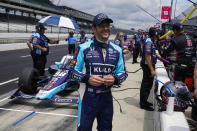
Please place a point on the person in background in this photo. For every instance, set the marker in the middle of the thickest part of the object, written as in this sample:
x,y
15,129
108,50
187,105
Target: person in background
x,y
41,49
119,39
125,45
72,40
83,38
138,39
104,67
148,66
93,37
182,43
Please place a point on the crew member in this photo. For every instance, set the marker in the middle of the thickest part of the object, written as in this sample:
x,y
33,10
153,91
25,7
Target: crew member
x,y
184,51
72,40
138,38
41,49
148,66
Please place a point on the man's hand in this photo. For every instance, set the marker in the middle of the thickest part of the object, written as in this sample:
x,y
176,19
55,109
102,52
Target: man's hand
x,y
195,93
125,51
95,80
153,73
109,80
43,49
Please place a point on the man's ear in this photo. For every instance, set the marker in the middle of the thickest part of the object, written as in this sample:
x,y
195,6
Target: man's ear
x,y
93,29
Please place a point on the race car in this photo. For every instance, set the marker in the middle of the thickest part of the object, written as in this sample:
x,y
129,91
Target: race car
x,y
32,85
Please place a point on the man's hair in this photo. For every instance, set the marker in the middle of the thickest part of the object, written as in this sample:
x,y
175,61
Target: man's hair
x,y
82,32
71,33
152,32
178,27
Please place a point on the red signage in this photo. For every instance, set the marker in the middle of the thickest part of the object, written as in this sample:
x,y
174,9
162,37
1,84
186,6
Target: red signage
x,y
165,13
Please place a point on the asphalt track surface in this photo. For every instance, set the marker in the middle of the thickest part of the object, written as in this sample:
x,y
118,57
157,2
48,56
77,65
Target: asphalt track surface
x,y
32,115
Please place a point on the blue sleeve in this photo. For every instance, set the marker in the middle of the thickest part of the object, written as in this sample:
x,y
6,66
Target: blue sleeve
x,y
148,47
117,42
48,40
120,73
30,39
76,73
36,41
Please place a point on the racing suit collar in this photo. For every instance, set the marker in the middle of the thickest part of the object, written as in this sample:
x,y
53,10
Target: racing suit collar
x,y
101,44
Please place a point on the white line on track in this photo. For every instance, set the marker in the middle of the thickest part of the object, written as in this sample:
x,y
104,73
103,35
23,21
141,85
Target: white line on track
x,y
54,114
25,56
3,83
4,99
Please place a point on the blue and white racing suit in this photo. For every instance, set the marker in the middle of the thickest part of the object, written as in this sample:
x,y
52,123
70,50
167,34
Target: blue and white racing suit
x,y
97,102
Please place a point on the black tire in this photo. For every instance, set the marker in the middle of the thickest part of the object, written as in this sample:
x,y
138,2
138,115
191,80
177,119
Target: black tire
x,y
28,80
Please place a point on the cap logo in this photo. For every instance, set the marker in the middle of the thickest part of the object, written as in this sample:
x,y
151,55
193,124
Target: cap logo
x,y
101,16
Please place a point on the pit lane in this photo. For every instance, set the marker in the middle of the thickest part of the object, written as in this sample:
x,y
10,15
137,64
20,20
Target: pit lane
x,y
48,115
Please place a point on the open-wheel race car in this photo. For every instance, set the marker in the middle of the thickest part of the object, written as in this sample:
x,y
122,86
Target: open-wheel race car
x,y
32,85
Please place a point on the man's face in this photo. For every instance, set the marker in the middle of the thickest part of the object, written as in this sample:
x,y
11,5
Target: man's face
x,y
139,31
102,31
42,31
71,34
175,32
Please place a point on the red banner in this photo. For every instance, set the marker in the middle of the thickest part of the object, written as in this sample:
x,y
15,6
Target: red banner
x,y
165,13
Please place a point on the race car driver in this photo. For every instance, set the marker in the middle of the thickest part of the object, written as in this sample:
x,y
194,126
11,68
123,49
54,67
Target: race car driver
x,y
104,66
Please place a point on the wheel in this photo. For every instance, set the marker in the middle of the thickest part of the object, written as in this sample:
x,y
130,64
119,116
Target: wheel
x,y
28,80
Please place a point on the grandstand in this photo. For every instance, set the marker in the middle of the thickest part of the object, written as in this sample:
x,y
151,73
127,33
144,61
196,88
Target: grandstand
x,y
22,15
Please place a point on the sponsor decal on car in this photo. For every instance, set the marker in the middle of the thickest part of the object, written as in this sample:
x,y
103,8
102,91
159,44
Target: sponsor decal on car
x,y
48,86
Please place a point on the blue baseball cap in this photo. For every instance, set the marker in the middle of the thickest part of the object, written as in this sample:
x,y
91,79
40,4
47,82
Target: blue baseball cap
x,y
99,18
40,27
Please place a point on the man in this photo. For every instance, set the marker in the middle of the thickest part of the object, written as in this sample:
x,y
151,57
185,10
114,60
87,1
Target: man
x,y
184,51
41,49
148,66
184,66
104,65
83,38
137,45
71,42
